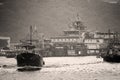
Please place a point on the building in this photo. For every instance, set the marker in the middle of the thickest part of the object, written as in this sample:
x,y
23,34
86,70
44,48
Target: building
x,y
105,35
78,41
71,43
93,45
4,45
4,42
99,41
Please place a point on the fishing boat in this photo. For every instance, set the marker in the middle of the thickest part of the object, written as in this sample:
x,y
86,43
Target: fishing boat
x,y
113,50
29,59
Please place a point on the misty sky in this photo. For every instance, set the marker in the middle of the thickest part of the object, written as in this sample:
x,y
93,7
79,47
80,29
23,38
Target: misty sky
x,y
51,17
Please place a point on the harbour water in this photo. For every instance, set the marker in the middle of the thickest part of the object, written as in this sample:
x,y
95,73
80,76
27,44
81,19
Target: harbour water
x,y
63,68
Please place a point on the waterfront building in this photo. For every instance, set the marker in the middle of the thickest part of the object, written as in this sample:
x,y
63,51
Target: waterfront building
x,y
4,45
71,43
99,41
78,41
15,46
4,42
105,35
93,45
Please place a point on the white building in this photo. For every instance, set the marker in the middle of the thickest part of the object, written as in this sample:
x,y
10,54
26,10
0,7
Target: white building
x,y
93,45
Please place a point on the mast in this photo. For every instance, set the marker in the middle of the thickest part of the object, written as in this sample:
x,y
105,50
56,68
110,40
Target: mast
x,y
31,35
109,35
43,41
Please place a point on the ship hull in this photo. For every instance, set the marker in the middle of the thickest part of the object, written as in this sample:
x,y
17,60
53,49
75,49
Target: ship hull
x,y
112,58
29,61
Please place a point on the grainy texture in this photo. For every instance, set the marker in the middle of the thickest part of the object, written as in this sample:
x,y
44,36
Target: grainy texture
x,y
64,68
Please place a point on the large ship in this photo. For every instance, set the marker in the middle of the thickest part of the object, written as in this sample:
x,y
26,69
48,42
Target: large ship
x,y
113,50
29,59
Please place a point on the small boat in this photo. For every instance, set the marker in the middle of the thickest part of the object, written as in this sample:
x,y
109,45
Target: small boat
x,y
29,59
113,51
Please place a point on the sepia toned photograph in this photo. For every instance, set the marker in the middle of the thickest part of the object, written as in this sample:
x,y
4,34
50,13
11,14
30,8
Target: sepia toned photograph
x,y
59,39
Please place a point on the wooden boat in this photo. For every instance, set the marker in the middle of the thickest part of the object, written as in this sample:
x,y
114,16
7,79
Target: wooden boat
x,y
29,59
113,51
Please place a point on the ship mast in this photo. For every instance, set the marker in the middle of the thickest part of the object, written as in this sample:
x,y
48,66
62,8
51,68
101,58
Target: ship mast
x,y
109,35
31,35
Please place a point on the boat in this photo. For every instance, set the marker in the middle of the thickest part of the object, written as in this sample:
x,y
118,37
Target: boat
x,y
29,59
112,51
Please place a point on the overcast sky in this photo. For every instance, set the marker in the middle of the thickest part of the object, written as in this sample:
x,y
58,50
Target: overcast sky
x,y
51,17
